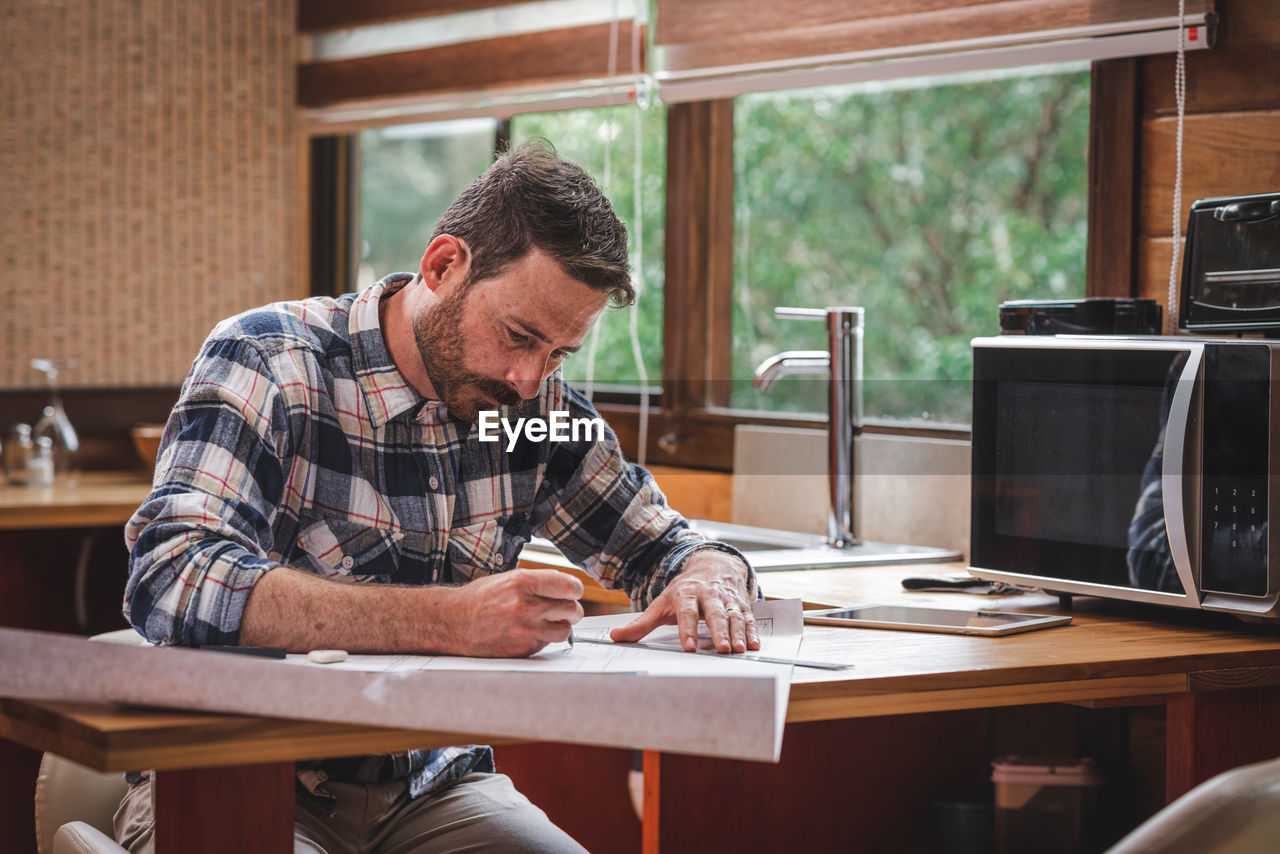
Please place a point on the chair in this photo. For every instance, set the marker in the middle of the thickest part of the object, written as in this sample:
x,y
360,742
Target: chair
x,y
1236,812
74,808
74,804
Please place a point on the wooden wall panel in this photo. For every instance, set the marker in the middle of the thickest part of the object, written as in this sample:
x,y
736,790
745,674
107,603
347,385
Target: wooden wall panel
x,y
1154,254
1223,154
1242,71
696,494
1231,139
149,172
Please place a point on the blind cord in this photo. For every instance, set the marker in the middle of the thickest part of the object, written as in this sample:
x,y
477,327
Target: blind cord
x,y
640,100
637,355
606,179
1180,97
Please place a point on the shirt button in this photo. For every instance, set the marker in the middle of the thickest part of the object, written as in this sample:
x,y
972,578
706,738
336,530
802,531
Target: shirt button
x,y
434,482
348,561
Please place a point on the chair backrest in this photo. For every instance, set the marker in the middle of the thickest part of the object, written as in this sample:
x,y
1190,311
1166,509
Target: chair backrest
x,y
1236,812
67,791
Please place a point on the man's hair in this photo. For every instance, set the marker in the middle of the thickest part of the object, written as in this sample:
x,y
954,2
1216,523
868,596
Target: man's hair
x,y
532,197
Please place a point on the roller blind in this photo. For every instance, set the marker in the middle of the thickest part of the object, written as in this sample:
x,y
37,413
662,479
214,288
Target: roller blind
x,y
719,48
390,61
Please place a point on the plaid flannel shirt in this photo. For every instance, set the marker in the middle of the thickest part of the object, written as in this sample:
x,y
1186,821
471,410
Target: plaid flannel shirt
x,y
297,441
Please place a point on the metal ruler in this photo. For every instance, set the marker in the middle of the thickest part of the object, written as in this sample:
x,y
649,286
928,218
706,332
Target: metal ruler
x,y
735,656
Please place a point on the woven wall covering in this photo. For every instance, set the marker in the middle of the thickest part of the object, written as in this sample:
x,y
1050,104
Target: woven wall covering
x,y
149,180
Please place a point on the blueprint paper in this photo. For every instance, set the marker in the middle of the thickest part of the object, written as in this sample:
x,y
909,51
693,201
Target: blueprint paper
x,y
591,694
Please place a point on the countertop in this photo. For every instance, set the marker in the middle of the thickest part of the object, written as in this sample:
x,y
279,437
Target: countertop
x,y
91,499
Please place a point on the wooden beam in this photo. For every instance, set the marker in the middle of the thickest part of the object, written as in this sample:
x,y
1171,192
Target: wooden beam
x,y
719,254
1113,169
684,353
697,329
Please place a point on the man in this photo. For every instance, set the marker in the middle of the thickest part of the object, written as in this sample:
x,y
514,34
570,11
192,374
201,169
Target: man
x,y
323,483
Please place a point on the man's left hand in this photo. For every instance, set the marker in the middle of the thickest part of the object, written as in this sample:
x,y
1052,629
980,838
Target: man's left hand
x,y
713,586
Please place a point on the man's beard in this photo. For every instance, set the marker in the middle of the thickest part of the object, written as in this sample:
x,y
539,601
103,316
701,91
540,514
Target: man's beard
x,y
437,330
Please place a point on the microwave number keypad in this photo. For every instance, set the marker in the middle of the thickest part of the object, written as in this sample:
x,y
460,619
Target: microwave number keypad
x,y
1235,533
1236,467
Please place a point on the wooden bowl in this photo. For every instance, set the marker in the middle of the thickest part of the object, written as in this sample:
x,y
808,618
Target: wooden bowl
x,y
146,440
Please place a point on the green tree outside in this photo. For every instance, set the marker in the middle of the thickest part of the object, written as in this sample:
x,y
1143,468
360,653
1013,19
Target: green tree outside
x,y
928,206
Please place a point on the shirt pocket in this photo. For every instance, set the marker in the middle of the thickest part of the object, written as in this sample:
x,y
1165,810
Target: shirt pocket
x,y
483,549
340,547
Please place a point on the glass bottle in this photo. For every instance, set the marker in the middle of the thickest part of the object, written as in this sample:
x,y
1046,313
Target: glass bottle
x,y
55,425
18,452
40,468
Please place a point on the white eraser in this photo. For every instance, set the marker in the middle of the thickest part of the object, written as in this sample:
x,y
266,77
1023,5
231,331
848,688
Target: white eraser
x,y
327,656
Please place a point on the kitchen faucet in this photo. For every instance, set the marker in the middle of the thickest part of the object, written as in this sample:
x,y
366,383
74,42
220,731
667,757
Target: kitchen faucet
x,y
842,364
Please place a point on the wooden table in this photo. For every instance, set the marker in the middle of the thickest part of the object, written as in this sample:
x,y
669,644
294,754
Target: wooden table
x,y
864,748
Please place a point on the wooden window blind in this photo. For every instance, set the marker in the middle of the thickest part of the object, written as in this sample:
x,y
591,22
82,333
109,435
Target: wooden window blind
x,y
391,61
721,48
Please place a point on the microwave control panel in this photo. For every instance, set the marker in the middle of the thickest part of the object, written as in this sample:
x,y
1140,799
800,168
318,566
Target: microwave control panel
x,y
1235,467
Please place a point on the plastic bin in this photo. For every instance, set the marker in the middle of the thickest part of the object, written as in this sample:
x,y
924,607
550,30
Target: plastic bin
x,y
1046,806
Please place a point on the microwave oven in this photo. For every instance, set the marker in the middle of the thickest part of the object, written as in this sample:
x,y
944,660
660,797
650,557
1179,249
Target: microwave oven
x,y
1136,468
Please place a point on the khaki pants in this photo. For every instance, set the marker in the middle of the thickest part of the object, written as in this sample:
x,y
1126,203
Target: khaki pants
x,y
479,813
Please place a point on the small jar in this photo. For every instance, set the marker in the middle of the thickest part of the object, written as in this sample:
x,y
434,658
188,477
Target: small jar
x,y
19,450
40,468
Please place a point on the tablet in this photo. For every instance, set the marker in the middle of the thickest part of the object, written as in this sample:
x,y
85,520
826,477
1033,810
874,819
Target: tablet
x,y
910,618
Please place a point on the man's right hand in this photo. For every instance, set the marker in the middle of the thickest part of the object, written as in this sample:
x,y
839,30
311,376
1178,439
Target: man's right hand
x,y
505,615
512,614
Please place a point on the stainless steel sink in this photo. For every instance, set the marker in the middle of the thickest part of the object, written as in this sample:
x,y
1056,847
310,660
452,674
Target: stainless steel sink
x,y
771,549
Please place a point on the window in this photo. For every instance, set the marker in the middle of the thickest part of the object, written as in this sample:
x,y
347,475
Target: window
x,y
928,202
409,174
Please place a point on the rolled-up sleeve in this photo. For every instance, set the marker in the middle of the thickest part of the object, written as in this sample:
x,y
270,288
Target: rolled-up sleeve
x,y
201,539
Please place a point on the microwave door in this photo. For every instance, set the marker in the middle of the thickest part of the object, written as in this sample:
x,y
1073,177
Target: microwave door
x,y
1072,479
1180,469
